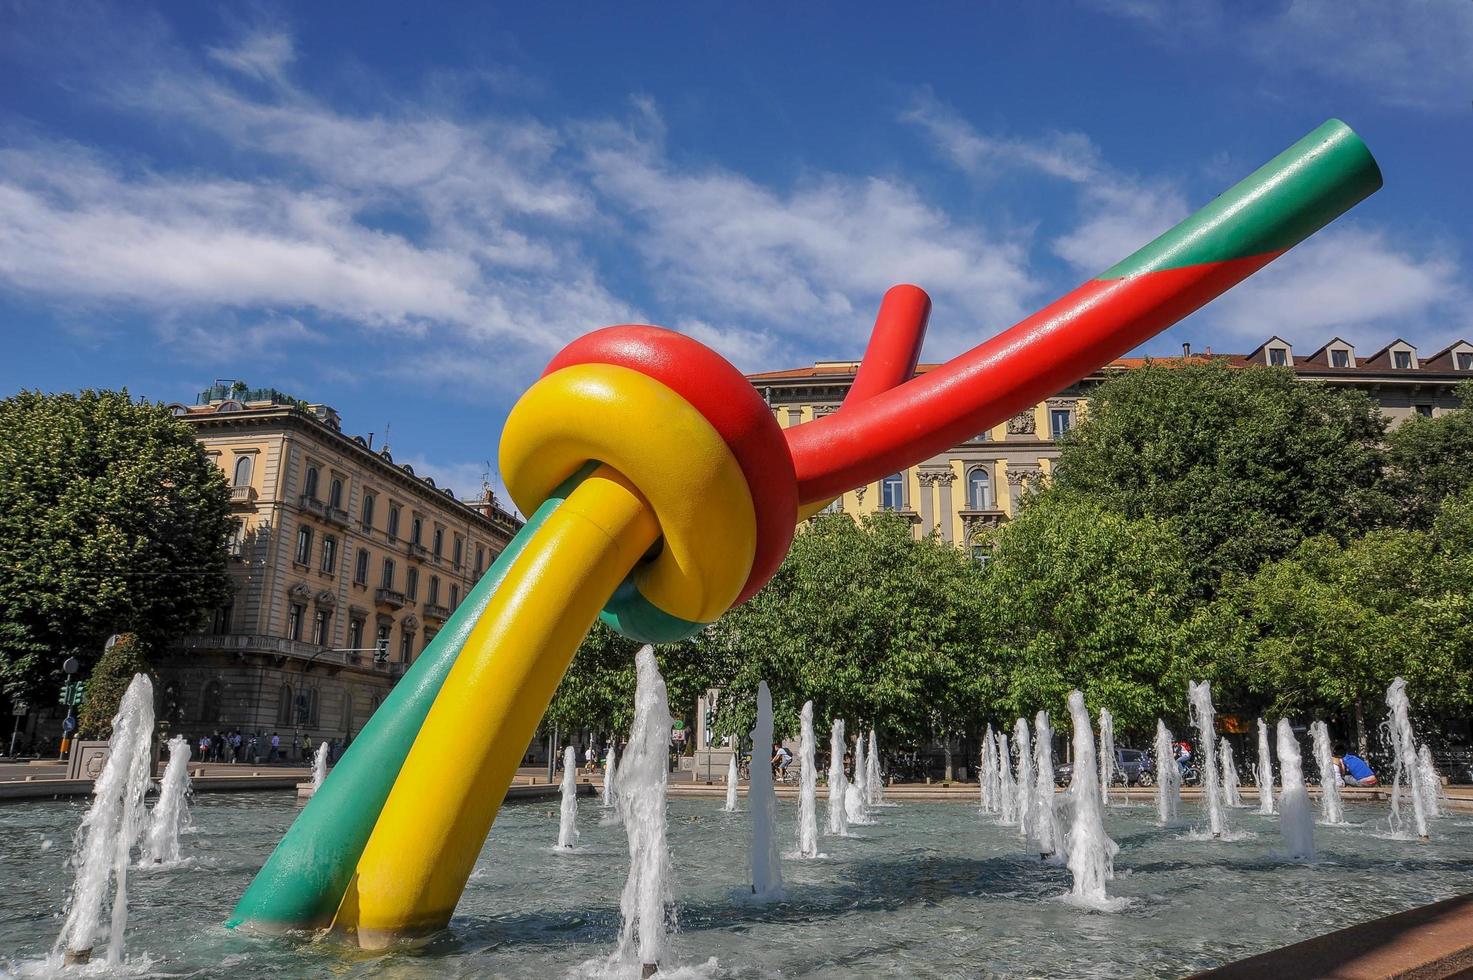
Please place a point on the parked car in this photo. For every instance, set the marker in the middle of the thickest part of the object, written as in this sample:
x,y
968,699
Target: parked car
x,y
1129,765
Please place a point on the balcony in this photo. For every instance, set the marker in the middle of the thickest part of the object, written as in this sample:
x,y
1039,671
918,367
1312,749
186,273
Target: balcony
x,y
338,516
976,520
312,505
417,551
436,611
388,597
242,496
278,646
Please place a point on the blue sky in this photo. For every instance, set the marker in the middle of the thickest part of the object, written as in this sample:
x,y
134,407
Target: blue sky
x,y
405,215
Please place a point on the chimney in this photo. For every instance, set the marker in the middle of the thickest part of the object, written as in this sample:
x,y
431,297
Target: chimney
x,y
1186,350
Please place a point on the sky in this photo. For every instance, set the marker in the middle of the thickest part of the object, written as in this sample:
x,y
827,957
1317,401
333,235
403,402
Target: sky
x,y
405,215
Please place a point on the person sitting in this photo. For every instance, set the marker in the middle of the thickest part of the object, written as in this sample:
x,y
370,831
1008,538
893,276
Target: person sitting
x,y
1353,769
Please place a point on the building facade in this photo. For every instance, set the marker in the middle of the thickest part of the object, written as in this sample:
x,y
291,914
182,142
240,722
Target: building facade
x,y
977,484
344,565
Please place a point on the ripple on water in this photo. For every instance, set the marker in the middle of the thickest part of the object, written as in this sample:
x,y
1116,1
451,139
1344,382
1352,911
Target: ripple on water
x,y
927,891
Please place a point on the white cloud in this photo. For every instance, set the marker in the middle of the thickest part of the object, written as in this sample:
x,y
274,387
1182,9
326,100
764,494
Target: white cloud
x,y
466,478
1067,156
811,262
1410,53
1118,216
1349,280
261,54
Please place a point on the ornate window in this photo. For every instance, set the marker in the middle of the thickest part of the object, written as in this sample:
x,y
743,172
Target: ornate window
x,y
329,553
454,596
355,634
304,545
434,596
393,520
416,528
243,471
406,641
321,620
335,493
296,613
892,492
310,486
411,584
1059,421
388,579
360,573
979,489
439,539
368,502
459,550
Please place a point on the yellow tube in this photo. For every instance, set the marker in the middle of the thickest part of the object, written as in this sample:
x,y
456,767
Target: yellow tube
x,y
440,810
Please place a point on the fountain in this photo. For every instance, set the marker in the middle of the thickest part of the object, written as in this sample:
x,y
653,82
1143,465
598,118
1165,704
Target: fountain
x,y
874,783
987,783
1202,715
567,833
611,763
856,811
1231,793
1404,746
861,768
807,786
1047,829
1168,776
171,812
1007,787
319,766
111,827
1296,823
1091,851
731,783
1026,829
838,824
1107,754
645,906
1432,793
767,872
1263,773
1332,811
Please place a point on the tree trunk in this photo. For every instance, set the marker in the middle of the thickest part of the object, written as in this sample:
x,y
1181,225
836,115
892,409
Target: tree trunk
x,y
1360,727
946,747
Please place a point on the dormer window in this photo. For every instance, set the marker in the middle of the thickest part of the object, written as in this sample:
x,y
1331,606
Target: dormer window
x,y
1278,356
1401,360
1465,360
1340,358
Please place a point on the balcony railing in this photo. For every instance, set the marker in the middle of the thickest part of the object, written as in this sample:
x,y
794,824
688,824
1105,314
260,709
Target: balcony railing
x,y
388,597
338,516
242,496
312,505
416,551
436,611
282,647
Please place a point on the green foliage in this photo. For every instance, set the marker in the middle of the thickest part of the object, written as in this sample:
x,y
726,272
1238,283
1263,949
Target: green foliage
x,y
1077,597
1242,463
868,622
111,520
107,685
1430,459
597,692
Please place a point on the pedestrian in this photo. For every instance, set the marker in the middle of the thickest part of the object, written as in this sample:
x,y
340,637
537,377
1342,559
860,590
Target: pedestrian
x,y
275,748
306,748
1353,770
204,748
251,750
236,743
589,757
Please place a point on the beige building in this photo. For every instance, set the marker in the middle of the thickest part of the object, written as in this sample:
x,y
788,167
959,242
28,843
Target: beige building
x,y
976,484
344,565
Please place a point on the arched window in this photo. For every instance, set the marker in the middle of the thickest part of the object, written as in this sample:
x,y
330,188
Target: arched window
x,y
335,493
242,471
411,585
416,528
434,597
892,492
209,706
284,706
309,707
368,501
310,486
979,489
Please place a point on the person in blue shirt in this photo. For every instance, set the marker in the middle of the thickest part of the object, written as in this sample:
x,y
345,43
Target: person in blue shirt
x,y
1353,769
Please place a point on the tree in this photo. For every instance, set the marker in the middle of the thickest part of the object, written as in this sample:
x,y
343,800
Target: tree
x,y
871,624
1243,463
1431,458
107,685
1075,596
112,520
1329,627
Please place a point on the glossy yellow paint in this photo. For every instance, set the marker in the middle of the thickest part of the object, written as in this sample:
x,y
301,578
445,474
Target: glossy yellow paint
x,y
665,448
438,814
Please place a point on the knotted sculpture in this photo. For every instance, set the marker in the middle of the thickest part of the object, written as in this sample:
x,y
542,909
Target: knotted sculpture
x,y
662,492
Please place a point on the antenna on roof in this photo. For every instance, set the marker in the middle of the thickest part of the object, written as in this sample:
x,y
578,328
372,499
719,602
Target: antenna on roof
x,y
386,437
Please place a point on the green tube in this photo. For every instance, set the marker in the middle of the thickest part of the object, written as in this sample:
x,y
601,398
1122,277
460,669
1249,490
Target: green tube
x,y
302,883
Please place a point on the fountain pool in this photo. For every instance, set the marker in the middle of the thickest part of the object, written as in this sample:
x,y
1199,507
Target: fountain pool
x,y
929,891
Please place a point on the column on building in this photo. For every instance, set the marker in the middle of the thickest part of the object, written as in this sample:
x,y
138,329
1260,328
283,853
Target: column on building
x,y
926,479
